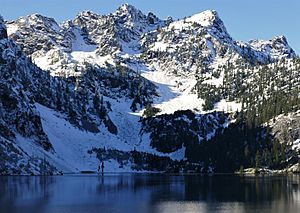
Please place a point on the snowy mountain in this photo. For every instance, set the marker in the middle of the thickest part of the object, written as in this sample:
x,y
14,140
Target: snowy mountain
x,y
128,86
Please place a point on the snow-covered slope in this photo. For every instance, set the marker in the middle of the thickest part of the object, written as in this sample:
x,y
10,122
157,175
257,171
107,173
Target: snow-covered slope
x,y
72,145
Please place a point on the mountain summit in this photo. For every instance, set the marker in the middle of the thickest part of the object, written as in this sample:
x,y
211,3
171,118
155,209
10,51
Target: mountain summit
x,y
207,18
128,10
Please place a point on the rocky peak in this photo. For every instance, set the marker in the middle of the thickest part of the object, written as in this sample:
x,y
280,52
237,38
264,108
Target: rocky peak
x,y
39,22
128,10
281,45
40,18
133,18
282,39
208,18
86,16
205,18
152,19
129,15
3,31
278,47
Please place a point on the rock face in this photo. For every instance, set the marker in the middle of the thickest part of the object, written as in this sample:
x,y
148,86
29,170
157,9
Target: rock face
x,y
3,31
286,129
83,85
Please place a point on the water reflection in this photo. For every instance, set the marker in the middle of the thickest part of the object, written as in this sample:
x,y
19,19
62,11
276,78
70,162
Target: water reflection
x,y
149,193
24,194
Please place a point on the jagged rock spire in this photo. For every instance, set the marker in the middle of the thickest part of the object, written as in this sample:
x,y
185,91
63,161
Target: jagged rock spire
x,y
3,31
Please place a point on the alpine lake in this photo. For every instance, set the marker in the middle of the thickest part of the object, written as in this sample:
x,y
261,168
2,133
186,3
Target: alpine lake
x,y
159,193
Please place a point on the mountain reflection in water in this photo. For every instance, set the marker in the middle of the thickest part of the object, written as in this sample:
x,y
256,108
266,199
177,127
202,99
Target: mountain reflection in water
x,y
149,193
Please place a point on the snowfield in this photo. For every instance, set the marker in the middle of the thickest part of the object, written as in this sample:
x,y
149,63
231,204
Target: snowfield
x,y
71,145
172,96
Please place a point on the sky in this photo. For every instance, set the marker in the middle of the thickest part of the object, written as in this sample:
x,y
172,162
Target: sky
x,y
244,19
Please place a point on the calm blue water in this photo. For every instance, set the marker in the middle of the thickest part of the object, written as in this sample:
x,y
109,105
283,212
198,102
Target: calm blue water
x,y
149,193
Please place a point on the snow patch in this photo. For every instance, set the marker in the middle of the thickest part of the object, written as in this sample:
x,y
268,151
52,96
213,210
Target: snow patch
x,y
79,43
228,106
174,92
296,145
205,18
11,29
